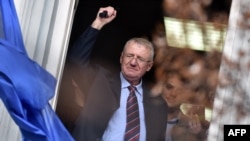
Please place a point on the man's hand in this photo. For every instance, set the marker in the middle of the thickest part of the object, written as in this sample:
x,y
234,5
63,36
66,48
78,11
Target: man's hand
x,y
99,22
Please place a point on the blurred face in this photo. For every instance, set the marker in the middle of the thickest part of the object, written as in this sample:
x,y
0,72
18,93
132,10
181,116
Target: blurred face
x,y
135,61
174,93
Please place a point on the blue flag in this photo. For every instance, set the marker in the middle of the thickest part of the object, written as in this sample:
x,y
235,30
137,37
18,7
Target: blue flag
x,y
25,87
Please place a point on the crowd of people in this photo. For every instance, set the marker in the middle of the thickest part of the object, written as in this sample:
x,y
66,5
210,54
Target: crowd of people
x,y
187,81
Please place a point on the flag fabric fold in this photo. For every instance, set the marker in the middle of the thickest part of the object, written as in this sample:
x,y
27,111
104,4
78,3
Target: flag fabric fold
x,y
25,87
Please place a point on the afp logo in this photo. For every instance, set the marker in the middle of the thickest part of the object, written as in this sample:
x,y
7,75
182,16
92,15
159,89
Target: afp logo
x,y
241,132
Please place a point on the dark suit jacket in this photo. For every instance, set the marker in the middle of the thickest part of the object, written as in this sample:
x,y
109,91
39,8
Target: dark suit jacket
x,y
102,90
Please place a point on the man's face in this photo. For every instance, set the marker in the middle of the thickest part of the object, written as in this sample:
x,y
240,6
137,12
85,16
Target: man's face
x,y
174,92
135,62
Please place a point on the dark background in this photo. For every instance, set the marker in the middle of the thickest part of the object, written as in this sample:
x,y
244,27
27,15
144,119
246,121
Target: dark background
x,y
134,18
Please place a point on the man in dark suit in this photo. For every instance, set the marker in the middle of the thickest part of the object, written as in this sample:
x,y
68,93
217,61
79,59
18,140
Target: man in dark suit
x,y
103,116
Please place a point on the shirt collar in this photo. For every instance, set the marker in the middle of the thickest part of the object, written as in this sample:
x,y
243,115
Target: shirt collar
x,y
173,121
125,84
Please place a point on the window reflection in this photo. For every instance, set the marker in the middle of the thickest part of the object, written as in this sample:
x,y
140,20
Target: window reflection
x,y
195,35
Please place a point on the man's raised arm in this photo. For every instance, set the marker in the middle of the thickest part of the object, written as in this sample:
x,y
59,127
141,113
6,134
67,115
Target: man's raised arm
x,y
82,48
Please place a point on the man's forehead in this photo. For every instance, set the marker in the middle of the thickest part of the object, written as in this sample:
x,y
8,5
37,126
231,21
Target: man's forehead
x,y
136,48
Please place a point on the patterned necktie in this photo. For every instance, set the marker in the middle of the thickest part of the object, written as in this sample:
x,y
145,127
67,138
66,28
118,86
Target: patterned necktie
x,y
132,132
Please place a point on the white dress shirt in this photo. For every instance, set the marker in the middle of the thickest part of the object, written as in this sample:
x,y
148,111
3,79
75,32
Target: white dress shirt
x,y
116,127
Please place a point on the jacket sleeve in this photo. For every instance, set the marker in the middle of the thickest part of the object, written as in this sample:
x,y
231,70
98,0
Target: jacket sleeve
x,y
81,50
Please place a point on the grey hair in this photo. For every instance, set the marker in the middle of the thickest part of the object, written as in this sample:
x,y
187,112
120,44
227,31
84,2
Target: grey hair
x,y
144,42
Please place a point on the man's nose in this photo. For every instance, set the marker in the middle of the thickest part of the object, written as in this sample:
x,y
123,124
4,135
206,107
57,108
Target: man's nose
x,y
133,61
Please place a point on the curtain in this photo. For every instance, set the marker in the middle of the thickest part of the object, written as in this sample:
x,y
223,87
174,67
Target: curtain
x,y
25,87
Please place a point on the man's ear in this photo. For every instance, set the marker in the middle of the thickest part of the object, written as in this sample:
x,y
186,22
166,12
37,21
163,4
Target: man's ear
x,y
121,58
150,65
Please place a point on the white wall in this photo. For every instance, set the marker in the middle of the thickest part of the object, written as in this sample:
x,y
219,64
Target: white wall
x,y
46,27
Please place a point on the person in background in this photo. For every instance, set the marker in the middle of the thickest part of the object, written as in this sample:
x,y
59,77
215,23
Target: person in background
x,y
186,120
104,116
